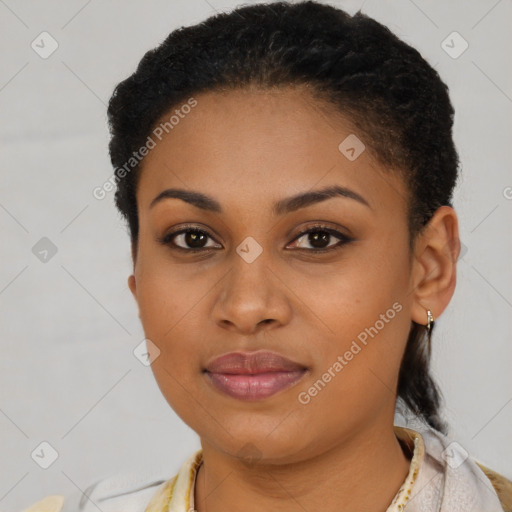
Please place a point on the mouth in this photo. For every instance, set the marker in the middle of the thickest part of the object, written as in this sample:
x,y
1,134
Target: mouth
x,y
253,376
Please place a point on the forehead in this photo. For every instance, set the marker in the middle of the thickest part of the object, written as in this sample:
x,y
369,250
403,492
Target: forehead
x,y
261,143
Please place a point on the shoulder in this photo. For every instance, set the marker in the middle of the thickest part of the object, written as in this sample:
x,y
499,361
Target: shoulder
x,y
465,479
122,492
53,503
502,486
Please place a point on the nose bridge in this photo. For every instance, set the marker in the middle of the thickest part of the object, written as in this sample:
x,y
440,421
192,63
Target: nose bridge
x,y
249,279
250,294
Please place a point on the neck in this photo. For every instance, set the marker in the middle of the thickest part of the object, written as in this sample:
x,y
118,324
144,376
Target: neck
x,y
361,473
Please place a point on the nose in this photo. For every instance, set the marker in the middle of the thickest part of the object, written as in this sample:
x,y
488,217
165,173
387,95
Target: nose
x,y
251,298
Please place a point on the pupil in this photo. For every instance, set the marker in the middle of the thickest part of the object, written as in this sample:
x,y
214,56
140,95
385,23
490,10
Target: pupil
x,y
319,238
194,238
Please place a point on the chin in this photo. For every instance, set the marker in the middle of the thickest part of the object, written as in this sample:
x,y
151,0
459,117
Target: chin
x,y
261,448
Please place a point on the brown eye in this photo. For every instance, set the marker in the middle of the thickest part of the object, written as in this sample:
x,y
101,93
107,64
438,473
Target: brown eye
x,y
189,239
320,239
194,239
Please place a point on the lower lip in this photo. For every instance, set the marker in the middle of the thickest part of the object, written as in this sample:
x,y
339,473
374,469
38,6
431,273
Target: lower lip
x,y
255,386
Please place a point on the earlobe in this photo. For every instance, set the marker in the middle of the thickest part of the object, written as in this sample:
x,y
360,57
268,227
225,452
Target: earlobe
x,y
434,266
132,285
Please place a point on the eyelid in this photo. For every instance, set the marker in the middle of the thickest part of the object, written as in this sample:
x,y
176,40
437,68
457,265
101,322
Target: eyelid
x,y
323,227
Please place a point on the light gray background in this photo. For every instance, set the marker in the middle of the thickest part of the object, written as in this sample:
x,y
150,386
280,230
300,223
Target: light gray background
x,y
70,325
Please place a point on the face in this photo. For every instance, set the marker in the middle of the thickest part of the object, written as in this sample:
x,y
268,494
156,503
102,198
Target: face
x,y
323,281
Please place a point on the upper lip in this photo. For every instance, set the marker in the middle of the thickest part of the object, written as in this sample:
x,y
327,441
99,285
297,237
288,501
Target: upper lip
x,y
246,363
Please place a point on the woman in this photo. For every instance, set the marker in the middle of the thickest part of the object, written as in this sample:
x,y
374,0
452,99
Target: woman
x,y
286,172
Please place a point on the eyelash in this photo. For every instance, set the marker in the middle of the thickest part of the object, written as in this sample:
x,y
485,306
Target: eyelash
x,y
344,239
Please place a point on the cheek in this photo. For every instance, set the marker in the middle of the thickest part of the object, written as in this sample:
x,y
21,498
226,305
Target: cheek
x,y
164,295
344,298
356,375
365,322
172,320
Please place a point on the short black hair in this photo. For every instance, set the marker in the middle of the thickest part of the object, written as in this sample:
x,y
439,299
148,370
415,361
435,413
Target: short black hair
x,y
353,65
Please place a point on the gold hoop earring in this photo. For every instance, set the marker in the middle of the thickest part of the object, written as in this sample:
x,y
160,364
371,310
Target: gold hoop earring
x,y
430,322
430,327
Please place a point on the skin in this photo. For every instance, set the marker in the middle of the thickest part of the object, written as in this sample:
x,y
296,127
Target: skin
x,y
249,149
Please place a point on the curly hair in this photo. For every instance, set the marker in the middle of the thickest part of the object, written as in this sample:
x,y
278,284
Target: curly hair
x,y
353,66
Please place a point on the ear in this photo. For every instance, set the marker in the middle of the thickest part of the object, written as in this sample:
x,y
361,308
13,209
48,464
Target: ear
x,y
132,284
433,275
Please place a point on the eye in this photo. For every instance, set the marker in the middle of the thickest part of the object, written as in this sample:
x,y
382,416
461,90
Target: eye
x,y
193,239
320,237
190,239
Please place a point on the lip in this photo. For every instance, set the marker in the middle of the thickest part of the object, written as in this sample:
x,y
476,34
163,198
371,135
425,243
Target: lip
x,y
253,375
245,363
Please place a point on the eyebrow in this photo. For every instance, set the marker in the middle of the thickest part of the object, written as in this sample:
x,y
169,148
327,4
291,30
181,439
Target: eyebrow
x,y
281,207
